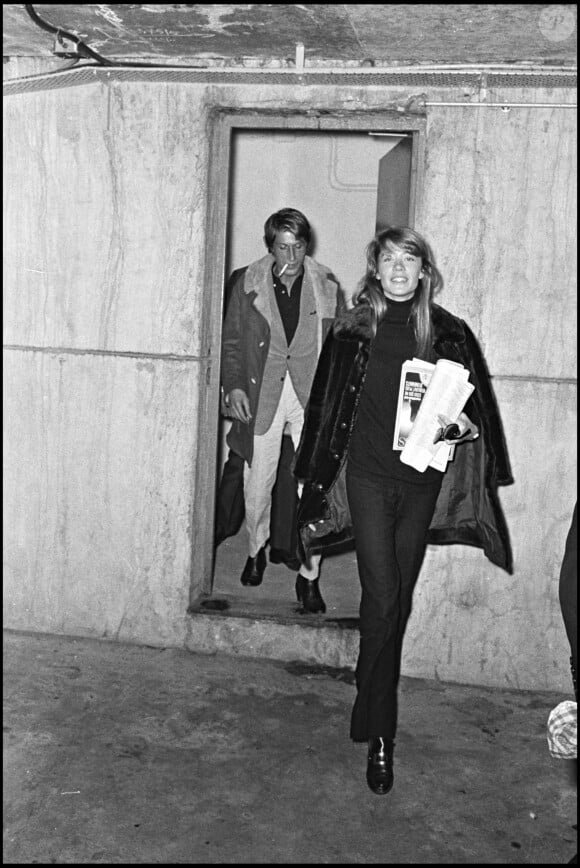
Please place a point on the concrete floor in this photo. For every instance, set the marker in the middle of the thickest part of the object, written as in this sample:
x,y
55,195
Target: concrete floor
x,y
120,754
339,585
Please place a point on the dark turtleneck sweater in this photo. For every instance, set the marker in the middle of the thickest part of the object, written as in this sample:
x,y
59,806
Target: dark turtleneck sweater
x,y
371,452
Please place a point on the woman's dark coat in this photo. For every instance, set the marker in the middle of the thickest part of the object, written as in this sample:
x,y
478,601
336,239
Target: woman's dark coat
x,y
468,510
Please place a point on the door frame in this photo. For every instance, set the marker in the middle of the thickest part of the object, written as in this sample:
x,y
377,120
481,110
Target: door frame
x,y
222,122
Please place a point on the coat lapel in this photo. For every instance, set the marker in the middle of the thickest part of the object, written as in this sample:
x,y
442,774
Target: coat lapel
x,y
258,280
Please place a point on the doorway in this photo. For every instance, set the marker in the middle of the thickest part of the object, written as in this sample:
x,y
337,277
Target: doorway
x,y
333,175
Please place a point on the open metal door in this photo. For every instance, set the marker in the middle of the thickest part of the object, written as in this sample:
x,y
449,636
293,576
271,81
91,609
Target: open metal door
x,y
394,186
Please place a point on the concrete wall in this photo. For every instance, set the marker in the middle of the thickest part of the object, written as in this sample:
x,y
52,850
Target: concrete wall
x,y
105,209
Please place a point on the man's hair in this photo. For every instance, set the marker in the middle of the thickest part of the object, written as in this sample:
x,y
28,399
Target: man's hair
x,y
287,220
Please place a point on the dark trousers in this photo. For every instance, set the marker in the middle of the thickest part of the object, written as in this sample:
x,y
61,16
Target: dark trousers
x,y
230,507
390,521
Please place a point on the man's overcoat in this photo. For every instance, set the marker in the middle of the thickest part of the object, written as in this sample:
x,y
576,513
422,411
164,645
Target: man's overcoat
x,y
247,329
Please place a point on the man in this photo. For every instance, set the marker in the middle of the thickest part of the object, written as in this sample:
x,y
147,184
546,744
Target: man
x,y
279,311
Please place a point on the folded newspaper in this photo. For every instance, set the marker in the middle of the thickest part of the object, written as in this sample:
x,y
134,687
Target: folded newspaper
x,y
425,392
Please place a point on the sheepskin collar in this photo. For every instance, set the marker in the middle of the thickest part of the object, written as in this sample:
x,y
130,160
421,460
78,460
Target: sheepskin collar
x,y
355,325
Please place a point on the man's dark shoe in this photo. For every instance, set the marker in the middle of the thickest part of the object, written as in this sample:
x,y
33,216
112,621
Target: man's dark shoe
x,y
380,765
308,595
254,569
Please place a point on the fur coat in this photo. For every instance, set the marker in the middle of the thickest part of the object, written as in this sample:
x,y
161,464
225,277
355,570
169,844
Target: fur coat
x,y
468,509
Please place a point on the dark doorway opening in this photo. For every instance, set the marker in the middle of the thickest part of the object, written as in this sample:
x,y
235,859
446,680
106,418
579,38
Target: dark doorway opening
x,y
348,175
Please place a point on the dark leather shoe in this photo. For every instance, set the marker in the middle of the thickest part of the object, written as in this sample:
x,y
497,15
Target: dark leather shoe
x,y
380,765
308,595
254,569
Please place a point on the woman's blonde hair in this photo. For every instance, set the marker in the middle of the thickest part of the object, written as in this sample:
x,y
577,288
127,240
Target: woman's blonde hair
x,y
371,292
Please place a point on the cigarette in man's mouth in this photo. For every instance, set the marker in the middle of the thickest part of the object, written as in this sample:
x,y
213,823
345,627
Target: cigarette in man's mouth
x,y
283,270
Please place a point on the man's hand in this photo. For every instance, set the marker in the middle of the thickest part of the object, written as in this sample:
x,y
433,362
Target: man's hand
x,y
238,405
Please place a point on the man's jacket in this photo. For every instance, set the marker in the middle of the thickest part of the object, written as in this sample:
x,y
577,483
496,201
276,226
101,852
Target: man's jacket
x,y
468,510
247,329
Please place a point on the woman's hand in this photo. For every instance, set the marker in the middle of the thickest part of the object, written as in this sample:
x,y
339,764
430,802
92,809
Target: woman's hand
x,y
461,431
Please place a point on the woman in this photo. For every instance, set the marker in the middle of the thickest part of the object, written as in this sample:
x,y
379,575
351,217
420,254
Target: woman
x,y
356,486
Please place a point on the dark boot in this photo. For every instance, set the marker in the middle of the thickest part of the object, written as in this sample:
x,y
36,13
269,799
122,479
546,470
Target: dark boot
x,y
308,595
380,765
254,569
